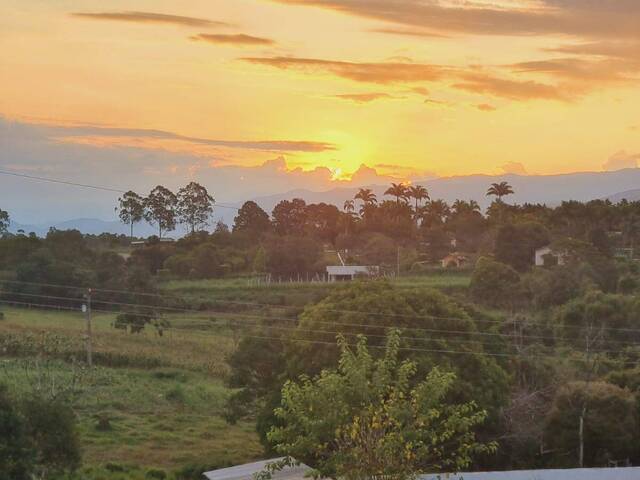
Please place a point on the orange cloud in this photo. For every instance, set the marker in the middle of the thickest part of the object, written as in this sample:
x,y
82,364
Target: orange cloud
x,y
239,39
569,17
383,73
511,89
150,17
364,97
486,107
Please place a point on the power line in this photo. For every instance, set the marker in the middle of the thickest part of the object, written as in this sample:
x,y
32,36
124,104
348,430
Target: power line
x,y
243,321
414,349
84,185
267,305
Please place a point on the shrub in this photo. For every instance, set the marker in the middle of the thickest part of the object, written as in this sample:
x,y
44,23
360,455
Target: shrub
x,y
156,474
176,395
494,283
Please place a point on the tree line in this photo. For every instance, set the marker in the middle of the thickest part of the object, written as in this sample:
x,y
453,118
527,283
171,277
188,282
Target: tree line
x,y
191,206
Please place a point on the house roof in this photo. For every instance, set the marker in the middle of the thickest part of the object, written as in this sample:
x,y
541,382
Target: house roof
x,y
248,470
349,269
570,474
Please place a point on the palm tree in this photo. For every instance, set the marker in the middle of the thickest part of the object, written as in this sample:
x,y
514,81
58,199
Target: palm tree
x,y
435,212
398,190
418,193
368,199
349,207
366,195
500,190
460,207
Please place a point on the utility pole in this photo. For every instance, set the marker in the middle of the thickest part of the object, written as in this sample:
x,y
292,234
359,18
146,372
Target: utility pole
x,y
87,317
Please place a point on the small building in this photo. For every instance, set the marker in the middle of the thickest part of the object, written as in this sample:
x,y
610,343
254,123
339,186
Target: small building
x,y
249,470
455,260
547,256
341,273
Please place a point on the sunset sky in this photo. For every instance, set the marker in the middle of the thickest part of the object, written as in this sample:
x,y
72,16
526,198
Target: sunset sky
x,y
410,88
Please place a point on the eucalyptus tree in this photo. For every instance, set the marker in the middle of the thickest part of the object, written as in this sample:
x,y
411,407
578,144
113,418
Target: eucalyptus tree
x,y
194,206
130,209
160,209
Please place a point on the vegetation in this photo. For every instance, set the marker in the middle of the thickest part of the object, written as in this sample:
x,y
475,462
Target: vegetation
x,y
365,420
210,348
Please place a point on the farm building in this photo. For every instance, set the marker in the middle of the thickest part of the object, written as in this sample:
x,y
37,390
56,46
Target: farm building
x,y
249,470
340,273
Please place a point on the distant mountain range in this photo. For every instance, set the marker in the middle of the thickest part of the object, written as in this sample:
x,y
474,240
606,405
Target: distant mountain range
x,y
547,189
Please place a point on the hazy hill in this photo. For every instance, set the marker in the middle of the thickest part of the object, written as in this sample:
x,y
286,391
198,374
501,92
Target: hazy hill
x,y
549,189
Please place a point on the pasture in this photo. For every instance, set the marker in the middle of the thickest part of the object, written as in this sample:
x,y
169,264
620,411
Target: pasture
x,y
150,401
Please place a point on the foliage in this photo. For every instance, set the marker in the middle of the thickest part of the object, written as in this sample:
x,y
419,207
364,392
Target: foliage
x,y
160,209
289,256
365,419
39,437
611,423
16,452
251,219
194,206
612,317
4,221
493,283
516,244
131,208
289,217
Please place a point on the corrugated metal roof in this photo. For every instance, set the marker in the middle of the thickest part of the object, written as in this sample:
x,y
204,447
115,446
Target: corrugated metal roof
x,y
248,470
570,474
350,269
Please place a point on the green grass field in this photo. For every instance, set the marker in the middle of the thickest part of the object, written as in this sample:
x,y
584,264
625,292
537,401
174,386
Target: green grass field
x,y
295,293
162,396
164,404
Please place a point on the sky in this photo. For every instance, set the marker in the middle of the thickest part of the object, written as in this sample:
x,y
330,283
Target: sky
x,y
261,96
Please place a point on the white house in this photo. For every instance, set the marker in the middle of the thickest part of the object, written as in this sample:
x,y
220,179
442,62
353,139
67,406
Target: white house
x,y
548,252
338,273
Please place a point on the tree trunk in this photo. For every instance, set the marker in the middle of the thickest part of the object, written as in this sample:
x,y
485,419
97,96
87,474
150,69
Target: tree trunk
x,y
131,234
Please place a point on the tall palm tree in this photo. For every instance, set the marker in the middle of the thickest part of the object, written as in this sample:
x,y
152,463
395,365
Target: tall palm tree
x,y
398,190
461,207
500,190
349,207
366,195
418,193
435,212
368,199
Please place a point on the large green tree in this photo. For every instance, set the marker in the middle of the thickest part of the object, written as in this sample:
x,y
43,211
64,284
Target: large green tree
x,y
160,209
194,206
130,209
610,424
251,219
369,419
4,221
290,217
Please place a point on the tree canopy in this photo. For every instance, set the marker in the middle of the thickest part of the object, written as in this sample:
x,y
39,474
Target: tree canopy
x,y
368,418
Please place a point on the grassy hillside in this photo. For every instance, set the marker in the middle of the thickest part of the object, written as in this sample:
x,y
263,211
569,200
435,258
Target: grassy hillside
x,y
224,292
151,401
